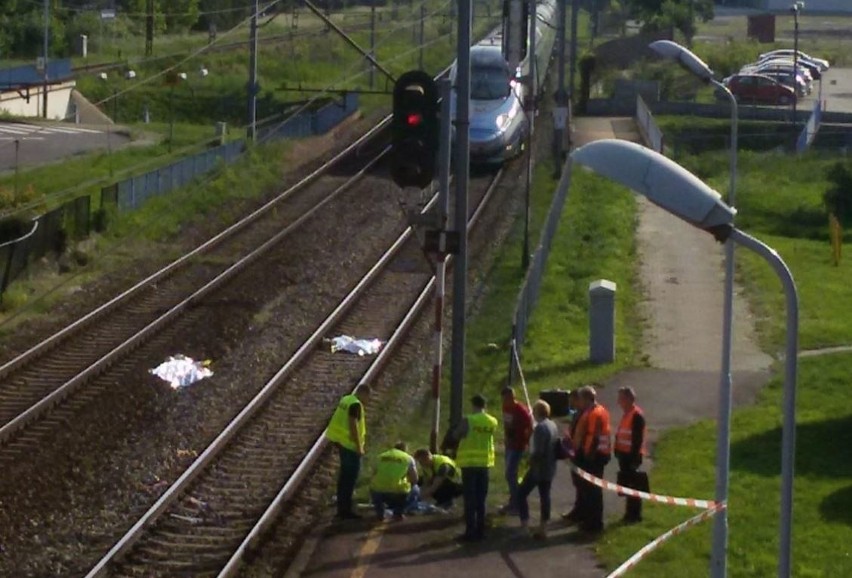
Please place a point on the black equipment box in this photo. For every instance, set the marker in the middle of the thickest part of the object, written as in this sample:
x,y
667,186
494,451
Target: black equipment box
x,y
558,400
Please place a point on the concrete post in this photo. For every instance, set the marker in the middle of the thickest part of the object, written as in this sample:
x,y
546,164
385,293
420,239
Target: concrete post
x,y
602,321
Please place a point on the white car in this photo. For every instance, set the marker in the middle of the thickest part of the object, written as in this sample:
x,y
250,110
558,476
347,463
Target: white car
x,y
788,53
779,67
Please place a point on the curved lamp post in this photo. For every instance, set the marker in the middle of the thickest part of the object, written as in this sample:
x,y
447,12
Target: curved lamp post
x,y
718,561
673,188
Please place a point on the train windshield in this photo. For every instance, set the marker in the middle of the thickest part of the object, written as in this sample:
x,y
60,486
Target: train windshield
x,y
488,83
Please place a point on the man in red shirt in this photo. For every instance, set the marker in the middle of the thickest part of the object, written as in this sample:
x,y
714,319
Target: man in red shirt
x,y
517,426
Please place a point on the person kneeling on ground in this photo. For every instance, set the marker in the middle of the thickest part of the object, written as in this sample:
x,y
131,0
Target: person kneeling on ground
x,y
441,478
542,467
394,484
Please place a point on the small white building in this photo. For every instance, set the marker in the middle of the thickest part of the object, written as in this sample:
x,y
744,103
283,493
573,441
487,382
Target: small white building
x,y
22,91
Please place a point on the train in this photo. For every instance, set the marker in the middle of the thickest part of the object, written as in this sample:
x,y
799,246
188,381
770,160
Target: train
x,y
499,125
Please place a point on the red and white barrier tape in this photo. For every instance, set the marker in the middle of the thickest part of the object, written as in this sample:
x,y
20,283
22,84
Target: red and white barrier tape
x,y
635,558
691,502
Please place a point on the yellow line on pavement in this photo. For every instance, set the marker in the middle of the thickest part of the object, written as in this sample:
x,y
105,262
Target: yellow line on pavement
x,y
368,548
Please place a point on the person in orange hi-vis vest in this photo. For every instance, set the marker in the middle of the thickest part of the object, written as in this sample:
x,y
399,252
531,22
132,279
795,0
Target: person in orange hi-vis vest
x,y
593,451
629,450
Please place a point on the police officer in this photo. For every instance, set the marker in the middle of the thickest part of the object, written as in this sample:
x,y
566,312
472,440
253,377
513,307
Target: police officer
x,y
394,483
441,478
475,457
629,450
592,453
348,430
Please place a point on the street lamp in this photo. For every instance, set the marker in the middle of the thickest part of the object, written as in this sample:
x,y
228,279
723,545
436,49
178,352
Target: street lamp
x,y
673,188
795,9
718,561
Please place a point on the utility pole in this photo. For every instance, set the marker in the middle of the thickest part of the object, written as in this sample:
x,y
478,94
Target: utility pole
x,y
149,28
575,16
462,175
252,83
560,115
531,108
422,34
372,43
46,47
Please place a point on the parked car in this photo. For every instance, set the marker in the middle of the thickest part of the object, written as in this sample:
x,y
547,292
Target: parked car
x,y
759,88
814,69
788,52
777,66
786,78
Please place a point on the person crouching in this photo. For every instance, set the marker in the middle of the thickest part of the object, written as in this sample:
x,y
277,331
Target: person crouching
x,y
394,484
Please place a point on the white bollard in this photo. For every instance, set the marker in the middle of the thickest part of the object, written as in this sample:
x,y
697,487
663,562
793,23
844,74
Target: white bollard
x,y
602,321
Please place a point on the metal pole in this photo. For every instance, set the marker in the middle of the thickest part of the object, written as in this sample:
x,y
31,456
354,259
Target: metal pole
x,y
788,439
171,116
718,559
575,16
372,43
441,271
531,108
17,167
46,47
422,35
252,83
561,97
115,105
795,66
462,175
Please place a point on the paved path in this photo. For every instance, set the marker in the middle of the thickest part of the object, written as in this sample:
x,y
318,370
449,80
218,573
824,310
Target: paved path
x,y
41,143
682,275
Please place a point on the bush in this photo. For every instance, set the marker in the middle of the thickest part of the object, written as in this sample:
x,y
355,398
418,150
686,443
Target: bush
x,y
838,198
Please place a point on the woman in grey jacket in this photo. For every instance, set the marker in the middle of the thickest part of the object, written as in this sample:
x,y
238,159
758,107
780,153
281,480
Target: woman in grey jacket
x,y
542,468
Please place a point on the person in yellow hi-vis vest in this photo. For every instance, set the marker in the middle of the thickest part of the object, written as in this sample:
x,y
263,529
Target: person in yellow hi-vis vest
x,y
348,431
395,482
475,457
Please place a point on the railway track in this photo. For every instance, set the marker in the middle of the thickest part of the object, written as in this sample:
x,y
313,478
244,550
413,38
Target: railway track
x,y
208,518
34,385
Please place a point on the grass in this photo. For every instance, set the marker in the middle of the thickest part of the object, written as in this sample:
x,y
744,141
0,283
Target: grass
x,y
780,201
86,173
595,240
150,230
823,498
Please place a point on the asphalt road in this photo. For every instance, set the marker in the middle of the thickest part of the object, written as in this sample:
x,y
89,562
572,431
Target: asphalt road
x,y
50,142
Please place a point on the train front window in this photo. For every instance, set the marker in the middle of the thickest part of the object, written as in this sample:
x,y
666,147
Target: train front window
x,y
489,83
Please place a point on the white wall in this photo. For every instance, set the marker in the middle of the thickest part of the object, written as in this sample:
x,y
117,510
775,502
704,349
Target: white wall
x,y
58,101
813,5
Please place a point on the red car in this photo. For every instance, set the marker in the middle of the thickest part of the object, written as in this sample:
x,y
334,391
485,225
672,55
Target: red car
x,y
759,88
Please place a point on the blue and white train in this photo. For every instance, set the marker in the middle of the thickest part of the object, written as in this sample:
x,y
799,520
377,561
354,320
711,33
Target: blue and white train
x,y
498,123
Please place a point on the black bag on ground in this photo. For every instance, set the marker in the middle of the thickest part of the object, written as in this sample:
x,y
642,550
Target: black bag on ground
x,y
558,401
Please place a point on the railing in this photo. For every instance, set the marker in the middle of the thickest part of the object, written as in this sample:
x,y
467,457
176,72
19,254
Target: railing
x,y
73,218
808,134
651,133
528,295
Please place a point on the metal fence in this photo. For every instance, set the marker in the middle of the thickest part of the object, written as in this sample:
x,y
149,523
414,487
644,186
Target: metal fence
x,y
648,126
73,219
528,295
808,134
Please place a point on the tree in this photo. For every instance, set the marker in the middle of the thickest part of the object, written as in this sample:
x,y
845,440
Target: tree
x,y
656,15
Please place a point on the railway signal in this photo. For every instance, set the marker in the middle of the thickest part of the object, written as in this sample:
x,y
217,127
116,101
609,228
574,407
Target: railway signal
x,y
415,130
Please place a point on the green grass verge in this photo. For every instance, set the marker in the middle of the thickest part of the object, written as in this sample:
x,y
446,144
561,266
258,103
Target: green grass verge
x,y
823,492
595,240
149,230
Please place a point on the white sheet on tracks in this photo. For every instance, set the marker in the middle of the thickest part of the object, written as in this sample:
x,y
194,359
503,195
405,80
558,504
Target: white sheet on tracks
x,y
181,371
359,347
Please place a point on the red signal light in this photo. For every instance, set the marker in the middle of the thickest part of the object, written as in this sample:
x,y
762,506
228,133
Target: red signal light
x,y
414,119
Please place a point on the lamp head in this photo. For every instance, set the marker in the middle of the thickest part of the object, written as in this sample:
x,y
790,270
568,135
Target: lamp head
x,y
664,182
683,56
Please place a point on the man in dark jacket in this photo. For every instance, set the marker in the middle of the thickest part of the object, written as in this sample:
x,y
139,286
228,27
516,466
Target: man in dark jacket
x,y
542,468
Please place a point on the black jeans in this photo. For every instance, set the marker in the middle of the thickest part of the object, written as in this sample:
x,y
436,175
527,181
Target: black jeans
x,y
447,492
627,470
350,467
529,482
591,496
475,487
